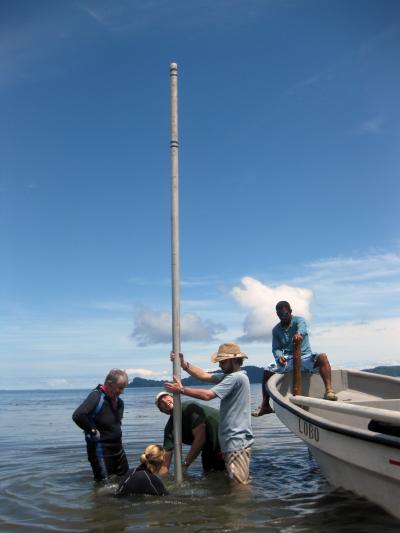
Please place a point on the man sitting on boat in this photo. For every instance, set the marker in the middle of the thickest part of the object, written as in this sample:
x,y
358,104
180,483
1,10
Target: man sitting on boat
x,y
199,431
290,330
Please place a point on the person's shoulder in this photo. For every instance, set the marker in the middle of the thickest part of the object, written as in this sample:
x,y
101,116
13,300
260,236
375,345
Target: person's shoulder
x,y
95,393
297,319
218,376
276,328
158,484
188,407
240,376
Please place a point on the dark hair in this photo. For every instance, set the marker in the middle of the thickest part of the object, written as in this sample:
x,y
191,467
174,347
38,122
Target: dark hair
x,y
280,305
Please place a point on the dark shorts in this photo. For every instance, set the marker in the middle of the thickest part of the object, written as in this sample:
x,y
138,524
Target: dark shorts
x,y
212,460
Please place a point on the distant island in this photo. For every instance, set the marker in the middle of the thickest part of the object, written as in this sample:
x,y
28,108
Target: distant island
x,y
255,374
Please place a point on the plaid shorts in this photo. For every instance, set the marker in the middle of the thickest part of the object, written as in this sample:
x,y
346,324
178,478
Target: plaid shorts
x,y
238,465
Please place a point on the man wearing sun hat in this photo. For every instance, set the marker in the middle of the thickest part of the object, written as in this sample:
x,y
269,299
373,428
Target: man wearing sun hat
x,y
232,386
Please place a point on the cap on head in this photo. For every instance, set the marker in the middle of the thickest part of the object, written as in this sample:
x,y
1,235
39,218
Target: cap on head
x,y
280,305
160,395
228,350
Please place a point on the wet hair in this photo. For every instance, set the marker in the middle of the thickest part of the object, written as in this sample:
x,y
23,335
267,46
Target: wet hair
x,y
280,305
116,375
153,457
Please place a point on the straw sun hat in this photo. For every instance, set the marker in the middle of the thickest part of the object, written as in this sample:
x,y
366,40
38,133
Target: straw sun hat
x,y
228,350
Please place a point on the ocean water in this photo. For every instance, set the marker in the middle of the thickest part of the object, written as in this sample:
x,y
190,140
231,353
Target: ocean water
x,y
46,481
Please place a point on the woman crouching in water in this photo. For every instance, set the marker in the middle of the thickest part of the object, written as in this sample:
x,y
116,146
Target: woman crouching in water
x,y
144,479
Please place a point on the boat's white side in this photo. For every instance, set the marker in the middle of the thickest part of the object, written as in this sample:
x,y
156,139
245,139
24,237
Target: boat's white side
x,y
349,455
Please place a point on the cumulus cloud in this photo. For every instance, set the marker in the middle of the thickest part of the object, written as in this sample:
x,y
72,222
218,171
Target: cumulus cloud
x,y
154,327
259,301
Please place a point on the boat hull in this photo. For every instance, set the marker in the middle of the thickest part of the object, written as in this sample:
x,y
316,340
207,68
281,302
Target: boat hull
x,y
348,458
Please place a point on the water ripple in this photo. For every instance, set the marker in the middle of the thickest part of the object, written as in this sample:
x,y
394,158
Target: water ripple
x,y
46,482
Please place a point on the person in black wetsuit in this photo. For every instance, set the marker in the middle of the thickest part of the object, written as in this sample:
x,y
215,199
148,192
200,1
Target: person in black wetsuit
x,y
144,479
100,417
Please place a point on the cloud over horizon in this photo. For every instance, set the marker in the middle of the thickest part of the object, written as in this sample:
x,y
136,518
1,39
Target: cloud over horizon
x,y
154,327
146,373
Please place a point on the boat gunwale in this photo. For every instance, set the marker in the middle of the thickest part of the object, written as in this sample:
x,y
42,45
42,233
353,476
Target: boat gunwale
x,y
386,440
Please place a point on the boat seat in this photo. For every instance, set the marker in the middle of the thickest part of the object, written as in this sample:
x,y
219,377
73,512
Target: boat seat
x,y
392,404
355,396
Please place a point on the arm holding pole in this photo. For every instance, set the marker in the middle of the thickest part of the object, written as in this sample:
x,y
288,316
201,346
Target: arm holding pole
x,y
201,394
194,371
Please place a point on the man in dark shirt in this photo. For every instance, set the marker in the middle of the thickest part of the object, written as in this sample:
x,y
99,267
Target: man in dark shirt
x,y
199,430
100,417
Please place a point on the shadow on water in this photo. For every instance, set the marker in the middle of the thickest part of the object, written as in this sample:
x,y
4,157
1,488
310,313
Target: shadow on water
x,y
46,485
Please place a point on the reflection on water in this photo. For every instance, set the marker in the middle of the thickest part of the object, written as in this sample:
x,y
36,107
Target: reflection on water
x,y
46,481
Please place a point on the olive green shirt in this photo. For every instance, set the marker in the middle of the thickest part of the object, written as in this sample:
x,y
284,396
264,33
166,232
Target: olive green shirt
x,y
194,414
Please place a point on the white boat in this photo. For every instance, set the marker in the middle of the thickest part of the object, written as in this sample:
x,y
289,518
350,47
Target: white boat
x,y
351,456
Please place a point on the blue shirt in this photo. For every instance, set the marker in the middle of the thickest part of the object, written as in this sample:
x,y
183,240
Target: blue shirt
x,y
235,413
282,338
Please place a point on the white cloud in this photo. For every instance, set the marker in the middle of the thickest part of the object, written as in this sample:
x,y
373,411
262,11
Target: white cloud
x,y
259,301
355,303
145,372
354,288
359,345
154,327
367,267
57,382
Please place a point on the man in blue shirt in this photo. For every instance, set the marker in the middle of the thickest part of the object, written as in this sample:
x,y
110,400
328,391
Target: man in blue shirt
x,y
232,386
293,329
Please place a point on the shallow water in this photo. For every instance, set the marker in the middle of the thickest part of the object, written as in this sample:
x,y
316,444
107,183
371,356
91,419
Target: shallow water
x,y
46,482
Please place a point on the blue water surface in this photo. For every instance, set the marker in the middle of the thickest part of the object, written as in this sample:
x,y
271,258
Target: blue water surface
x,y
46,482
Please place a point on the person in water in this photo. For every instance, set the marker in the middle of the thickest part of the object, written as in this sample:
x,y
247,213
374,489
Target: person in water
x,y
100,417
144,478
199,430
292,329
232,386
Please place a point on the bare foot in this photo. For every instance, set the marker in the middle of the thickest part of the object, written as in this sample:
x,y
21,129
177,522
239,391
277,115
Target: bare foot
x,y
262,410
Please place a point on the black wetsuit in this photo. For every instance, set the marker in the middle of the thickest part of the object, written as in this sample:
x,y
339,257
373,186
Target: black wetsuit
x,y
141,481
105,455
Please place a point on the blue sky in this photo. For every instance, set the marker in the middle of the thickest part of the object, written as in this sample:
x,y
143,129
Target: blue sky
x,y
289,181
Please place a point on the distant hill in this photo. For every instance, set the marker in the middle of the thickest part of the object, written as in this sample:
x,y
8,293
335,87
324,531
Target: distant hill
x,y
386,370
255,374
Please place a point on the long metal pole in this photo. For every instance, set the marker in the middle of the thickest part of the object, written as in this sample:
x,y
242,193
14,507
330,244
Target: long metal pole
x,y
176,334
